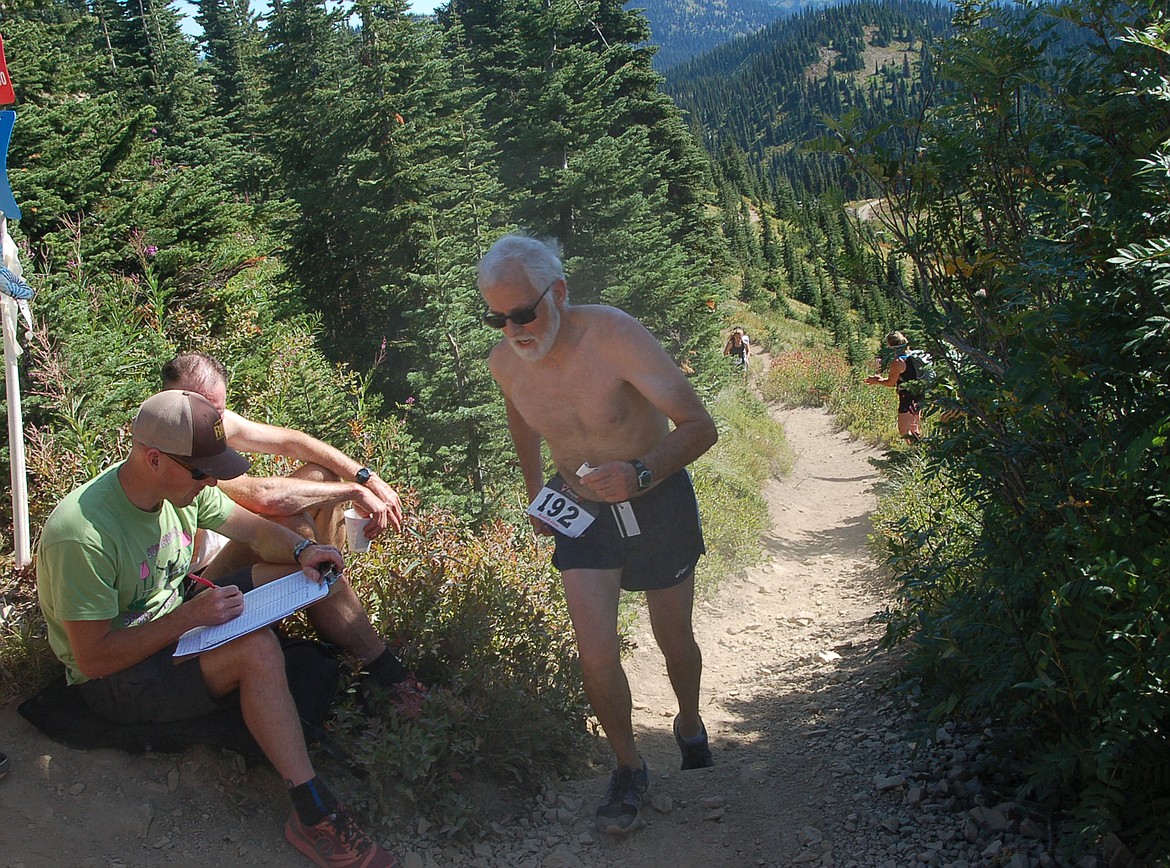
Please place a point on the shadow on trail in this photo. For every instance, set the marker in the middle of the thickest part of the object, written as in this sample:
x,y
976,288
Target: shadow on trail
x,y
841,540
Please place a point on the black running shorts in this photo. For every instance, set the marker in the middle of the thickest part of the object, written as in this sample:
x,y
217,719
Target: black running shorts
x,y
663,554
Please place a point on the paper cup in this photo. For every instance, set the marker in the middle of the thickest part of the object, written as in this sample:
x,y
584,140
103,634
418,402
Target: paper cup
x,y
355,530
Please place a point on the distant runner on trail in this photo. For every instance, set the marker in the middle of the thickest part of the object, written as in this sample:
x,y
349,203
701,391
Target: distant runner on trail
x,y
900,373
739,347
596,386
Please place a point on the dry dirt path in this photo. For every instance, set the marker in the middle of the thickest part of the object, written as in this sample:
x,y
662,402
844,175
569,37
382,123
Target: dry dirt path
x,y
793,702
786,673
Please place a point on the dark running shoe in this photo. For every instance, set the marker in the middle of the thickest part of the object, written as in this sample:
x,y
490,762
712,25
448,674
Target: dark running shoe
x,y
337,842
694,756
621,811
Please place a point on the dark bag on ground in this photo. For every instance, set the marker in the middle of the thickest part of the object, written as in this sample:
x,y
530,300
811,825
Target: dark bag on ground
x,y
313,672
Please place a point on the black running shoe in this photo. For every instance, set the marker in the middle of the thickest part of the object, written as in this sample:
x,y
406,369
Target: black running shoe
x,y
694,756
621,811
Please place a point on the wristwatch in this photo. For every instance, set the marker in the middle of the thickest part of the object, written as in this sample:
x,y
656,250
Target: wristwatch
x,y
362,476
645,477
300,547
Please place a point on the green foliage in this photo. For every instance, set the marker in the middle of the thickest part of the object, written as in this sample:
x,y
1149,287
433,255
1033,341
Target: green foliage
x,y
728,480
683,30
806,377
770,93
26,661
869,413
1033,573
485,624
598,158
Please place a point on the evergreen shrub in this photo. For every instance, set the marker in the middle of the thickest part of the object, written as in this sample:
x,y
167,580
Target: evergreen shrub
x,y
1033,555
481,619
806,377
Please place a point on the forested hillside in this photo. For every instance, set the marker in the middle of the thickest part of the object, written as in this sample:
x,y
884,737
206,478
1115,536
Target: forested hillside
x,y
771,93
683,30
317,187
306,196
320,185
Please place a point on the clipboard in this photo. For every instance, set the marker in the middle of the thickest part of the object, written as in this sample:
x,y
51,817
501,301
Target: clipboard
x,y
262,606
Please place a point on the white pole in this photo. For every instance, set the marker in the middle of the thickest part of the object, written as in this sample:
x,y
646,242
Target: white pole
x,y
22,548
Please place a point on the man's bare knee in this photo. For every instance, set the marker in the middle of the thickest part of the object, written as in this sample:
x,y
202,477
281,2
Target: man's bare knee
x,y
598,655
315,473
256,654
259,651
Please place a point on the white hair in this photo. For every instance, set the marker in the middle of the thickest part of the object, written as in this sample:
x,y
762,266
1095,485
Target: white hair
x,y
538,259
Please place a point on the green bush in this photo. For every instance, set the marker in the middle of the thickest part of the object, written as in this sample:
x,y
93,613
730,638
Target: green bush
x,y
728,481
1033,555
806,377
481,619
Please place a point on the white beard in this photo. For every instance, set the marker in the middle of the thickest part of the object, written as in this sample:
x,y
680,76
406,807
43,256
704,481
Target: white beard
x,y
537,348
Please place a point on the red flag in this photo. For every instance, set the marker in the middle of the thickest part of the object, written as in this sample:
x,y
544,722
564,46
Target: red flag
x,y
7,94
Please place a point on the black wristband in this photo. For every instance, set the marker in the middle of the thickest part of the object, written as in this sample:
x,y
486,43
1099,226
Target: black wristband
x,y
300,547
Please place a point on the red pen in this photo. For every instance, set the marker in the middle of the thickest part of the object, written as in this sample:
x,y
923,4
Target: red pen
x,y
202,580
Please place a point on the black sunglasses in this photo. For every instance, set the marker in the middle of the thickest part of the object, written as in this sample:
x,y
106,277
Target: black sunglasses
x,y
520,316
196,474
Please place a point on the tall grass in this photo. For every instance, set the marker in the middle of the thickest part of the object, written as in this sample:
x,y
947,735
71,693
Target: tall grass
x,y
811,377
728,481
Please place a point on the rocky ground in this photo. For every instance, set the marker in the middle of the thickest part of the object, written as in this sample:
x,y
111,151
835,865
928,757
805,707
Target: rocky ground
x,y
818,760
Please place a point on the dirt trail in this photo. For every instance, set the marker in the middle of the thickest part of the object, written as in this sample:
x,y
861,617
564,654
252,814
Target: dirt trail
x,y
784,653
788,684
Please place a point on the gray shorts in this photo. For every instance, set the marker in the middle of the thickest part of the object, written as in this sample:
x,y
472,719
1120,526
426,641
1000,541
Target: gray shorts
x,y
159,689
661,556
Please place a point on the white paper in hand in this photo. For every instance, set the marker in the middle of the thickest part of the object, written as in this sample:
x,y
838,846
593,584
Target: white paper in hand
x,y
262,606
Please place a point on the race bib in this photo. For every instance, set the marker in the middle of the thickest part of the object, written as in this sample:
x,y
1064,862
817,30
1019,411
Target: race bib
x,y
562,509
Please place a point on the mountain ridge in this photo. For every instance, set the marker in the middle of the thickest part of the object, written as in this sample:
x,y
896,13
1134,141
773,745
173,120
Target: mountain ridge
x,y
683,29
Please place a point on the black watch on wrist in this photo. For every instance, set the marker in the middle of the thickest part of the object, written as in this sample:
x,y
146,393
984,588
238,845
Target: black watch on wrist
x,y
645,477
362,476
300,547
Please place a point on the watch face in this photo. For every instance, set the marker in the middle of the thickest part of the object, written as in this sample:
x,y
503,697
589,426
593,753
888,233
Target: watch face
x,y
363,476
645,478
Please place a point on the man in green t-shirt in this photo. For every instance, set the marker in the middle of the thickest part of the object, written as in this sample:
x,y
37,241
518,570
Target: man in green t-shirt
x,y
112,578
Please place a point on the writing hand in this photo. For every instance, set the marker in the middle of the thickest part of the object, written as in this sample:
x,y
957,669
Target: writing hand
x,y
215,605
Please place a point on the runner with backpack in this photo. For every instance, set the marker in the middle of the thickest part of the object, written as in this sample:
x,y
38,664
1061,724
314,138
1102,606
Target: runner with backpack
x,y
739,347
907,367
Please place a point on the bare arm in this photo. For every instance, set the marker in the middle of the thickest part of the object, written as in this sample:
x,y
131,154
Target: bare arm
x,y
285,495
289,495
527,441
101,650
275,543
897,367
654,374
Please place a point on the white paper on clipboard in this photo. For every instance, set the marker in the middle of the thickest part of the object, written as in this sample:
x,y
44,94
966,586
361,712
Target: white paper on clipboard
x,y
262,606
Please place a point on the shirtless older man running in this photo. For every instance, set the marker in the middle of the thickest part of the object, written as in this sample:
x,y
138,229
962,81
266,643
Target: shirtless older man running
x,y
595,385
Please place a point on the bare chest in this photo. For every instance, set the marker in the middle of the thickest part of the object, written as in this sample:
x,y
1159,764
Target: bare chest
x,y
589,405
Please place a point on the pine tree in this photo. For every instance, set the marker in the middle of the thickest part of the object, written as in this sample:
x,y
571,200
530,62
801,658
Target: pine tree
x,y
596,156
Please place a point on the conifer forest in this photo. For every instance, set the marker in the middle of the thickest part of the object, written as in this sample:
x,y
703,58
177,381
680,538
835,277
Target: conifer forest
x,y
305,193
